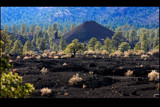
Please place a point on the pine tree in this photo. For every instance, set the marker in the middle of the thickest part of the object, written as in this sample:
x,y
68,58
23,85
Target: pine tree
x,y
92,43
98,45
72,26
117,39
28,46
132,36
5,37
137,47
17,48
42,45
25,35
74,47
124,46
62,44
37,29
6,28
32,30
54,27
108,44
144,42
54,47
14,29
23,28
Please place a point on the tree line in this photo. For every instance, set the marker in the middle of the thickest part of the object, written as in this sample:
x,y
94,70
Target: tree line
x,y
124,38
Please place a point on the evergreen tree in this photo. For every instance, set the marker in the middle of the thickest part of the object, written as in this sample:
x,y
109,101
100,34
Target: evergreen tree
x,y
72,26
62,44
37,29
98,45
132,36
144,42
6,28
124,46
23,28
25,35
5,37
137,47
17,48
92,43
28,46
32,30
14,29
54,47
42,45
108,44
54,27
74,47
117,39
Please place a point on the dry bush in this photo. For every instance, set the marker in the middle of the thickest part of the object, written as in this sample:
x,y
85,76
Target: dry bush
x,y
38,57
104,52
18,57
52,53
10,60
144,56
84,86
154,75
97,52
44,55
26,57
44,70
47,51
129,53
64,64
153,52
90,72
116,54
66,56
29,53
139,52
61,53
75,79
129,73
45,91
56,57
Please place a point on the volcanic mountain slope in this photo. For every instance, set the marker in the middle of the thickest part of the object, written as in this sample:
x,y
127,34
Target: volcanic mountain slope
x,y
85,31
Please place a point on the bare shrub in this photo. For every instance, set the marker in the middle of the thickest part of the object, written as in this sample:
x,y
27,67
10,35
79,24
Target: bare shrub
x,y
29,53
129,53
129,73
44,70
116,54
154,75
90,72
104,52
38,57
144,56
64,64
18,57
66,56
44,55
75,79
153,52
45,91
56,57
139,52
26,57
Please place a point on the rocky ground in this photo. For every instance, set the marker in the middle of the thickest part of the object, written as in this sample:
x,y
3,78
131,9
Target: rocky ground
x,y
107,81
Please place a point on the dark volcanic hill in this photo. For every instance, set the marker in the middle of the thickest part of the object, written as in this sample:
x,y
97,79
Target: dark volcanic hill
x,y
85,31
